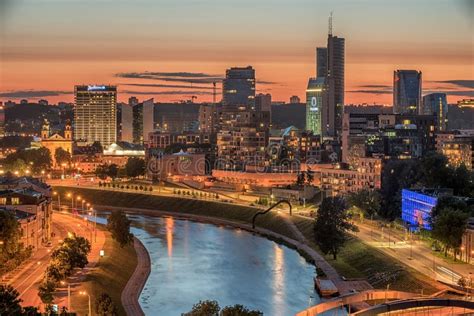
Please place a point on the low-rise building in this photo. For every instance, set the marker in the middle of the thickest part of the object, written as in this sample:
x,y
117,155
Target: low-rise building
x,y
178,166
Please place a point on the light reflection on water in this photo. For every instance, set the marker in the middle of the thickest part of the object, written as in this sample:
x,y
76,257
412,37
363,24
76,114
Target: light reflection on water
x,y
194,261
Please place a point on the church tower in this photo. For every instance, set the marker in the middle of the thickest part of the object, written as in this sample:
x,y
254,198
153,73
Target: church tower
x,y
45,130
68,131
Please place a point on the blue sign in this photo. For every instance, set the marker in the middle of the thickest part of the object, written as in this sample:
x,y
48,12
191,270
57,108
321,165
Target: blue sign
x,y
95,88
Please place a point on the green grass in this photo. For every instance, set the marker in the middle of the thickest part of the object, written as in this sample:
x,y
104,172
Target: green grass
x,y
356,260
109,276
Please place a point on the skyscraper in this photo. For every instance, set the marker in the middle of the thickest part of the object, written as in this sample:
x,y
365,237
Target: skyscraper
x,y
315,100
436,104
2,120
321,61
335,82
263,102
143,120
238,88
95,114
406,91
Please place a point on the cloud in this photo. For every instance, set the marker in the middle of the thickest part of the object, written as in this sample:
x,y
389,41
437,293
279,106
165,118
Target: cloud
x,y
375,91
162,85
32,93
169,92
188,77
377,86
460,83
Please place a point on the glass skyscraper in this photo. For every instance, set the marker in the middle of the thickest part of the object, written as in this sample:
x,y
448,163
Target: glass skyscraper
x,y
315,101
335,82
238,88
436,104
406,91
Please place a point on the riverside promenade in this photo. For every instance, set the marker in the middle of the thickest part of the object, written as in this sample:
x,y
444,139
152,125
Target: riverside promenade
x,y
137,281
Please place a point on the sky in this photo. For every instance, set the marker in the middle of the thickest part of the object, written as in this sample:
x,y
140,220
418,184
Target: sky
x,y
174,49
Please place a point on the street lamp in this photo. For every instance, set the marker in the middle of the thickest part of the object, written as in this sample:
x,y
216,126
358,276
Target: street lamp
x,y
68,295
59,199
85,293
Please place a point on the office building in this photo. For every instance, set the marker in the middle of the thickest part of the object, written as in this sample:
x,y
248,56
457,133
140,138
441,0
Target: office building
x,y
263,102
143,121
95,118
315,105
321,62
417,207
238,88
437,105
126,123
406,91
335,83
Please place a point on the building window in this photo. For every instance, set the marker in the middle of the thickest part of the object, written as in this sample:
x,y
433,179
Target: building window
x,y
3,201
15,201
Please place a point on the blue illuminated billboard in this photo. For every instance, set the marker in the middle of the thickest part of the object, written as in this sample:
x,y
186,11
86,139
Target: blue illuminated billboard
x,y
416,209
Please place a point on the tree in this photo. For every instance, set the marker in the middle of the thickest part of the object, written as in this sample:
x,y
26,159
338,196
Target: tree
x,y
70,255
331,225
46,290
62,156
10,235
135,167
112,171
368,201
434,170
309,176
97,147
9,301
239,310
105,306
119,225
204,308
448,227
300,179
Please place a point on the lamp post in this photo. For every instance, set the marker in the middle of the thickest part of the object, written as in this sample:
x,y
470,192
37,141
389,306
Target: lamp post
x,y
85,293
68,295
59,199
70,195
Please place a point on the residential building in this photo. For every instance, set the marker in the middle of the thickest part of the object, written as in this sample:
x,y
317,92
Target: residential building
x,y
407,91
457,146
263,102
238,88
95,114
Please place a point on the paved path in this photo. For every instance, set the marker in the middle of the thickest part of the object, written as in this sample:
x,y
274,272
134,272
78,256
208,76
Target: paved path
x,y
27,278
135,284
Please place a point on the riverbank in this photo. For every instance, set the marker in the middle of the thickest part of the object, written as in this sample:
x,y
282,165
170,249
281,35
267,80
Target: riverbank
x,y
110,275
356,261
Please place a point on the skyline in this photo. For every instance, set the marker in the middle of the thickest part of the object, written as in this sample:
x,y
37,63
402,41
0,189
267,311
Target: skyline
x,y
41,60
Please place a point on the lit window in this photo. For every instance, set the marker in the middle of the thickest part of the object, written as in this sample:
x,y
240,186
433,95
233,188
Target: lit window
x,y
15,201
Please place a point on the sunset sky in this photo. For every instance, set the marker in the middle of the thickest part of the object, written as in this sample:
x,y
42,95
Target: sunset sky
x,y
172,49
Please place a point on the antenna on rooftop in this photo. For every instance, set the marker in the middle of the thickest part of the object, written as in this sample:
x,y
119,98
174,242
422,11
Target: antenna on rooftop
x,y
330,24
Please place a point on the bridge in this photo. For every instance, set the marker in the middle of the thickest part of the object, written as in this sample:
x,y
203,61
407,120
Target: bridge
x,y
393,301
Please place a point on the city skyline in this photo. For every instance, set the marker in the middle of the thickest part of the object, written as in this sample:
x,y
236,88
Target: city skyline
x,y
41,60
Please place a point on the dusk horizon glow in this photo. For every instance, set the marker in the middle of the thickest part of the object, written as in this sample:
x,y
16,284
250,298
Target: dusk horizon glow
x,y
49,46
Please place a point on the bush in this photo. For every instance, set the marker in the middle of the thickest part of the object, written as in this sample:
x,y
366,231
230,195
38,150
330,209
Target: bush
x,y
104,305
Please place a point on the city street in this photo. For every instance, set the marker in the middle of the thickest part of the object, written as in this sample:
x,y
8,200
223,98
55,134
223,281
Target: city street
x,y
28,276
415,254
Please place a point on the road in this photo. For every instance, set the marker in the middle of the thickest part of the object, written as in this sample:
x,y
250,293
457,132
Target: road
x,y
28,276
414,253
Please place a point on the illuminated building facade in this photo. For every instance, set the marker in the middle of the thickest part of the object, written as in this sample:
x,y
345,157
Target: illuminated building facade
x,y
95,117
335,85
417,207
55,141
406,91
238,88
315,105
436,104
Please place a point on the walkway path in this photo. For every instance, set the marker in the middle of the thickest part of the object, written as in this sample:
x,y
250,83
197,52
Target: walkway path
x,y
135,284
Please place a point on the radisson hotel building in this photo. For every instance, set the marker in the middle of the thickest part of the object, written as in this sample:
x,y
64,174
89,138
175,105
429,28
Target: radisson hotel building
x,y
95,117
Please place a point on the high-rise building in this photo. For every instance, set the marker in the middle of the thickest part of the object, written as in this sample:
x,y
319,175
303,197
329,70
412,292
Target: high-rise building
x,y
143,120
126,122
315,101
321,61
238,88
263,102
436,104
335,82
95,114
406,91
2,120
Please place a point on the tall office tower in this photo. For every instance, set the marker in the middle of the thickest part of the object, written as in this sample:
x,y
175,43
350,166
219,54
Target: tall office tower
x,y
436,104
126,123
95,117
315,100
2,120
263,102
406,91
335,82
143,120
321,61
238,88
